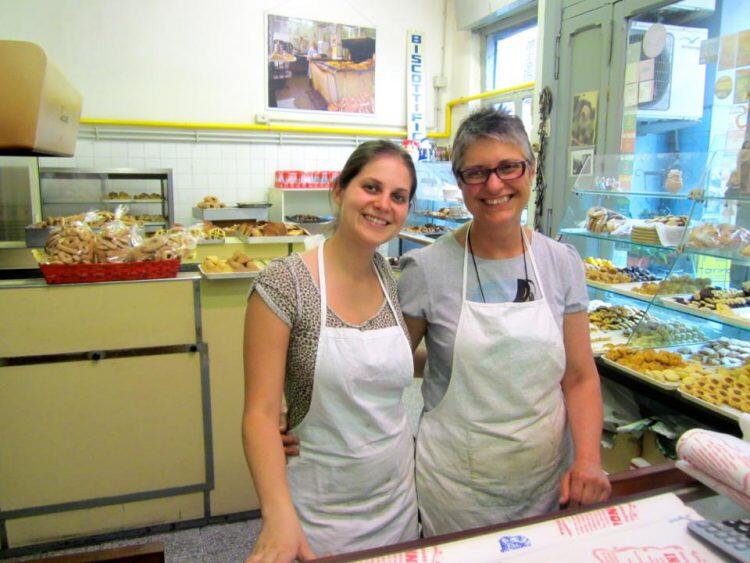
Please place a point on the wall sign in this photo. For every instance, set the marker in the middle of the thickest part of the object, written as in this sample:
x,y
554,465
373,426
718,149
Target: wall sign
x,y
416,124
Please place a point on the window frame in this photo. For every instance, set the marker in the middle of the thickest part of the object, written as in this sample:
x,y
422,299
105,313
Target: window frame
x,y
507,26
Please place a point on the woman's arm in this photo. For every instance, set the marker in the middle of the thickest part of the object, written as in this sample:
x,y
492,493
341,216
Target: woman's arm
x,y
417,329
265,348
585,482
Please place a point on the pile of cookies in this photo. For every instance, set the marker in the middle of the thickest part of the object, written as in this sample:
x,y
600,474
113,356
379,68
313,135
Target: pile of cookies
x,y
210,202
725,352
604,271
670,220
645,360
602,220
71,244
116,242
673,285
239,262
730,388
617,317
207,231
722,235
270,229
655,333
716,299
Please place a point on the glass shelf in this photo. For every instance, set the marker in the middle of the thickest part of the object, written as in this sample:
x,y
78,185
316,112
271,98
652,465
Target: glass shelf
x,y
580,232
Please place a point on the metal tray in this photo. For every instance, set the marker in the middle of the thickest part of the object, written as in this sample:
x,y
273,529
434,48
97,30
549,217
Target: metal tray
x,y
642,376
232,213
227,275
725,410
742,320
272,240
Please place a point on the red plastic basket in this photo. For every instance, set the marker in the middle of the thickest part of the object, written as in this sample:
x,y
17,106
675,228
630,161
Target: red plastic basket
x,y
91,273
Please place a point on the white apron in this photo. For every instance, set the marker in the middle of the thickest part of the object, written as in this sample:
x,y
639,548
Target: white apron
x,y
494,448
353,482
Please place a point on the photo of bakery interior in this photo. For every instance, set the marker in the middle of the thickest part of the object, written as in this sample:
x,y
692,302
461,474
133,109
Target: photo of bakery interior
x,y
320,66
349,281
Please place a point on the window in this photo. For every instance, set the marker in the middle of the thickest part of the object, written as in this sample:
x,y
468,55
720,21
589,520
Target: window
x,y
511,56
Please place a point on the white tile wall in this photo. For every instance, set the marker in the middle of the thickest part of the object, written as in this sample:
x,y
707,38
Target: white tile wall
x,y
230,171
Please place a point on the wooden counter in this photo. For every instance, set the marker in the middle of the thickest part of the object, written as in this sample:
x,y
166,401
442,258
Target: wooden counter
x,y
121,405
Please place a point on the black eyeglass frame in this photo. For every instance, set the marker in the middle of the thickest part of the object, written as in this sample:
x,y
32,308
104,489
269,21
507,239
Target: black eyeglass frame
x,y
487,171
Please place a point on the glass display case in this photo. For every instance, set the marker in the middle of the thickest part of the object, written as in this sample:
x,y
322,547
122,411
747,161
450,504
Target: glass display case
x,y
438,205
147,193
666,247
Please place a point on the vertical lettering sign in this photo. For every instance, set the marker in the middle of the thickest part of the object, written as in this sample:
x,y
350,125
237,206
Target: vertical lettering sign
x,y
415,93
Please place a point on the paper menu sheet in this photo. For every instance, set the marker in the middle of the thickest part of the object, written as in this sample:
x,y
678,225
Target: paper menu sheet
x,y
651,530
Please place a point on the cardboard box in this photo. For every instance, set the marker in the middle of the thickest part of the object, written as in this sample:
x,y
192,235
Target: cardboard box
x,y
617,458
650,449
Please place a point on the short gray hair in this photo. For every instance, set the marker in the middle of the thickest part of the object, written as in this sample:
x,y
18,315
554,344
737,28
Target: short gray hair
x,y
490,123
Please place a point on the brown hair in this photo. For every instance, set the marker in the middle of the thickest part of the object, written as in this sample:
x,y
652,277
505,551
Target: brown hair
x,y
369,151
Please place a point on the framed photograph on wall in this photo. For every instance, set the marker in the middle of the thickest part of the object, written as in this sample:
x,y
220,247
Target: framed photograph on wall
x,y
320,66
581,162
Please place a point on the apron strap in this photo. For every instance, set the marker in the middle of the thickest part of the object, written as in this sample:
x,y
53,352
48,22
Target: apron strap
x,y
466,261
323,292
386,294
533,263
322,284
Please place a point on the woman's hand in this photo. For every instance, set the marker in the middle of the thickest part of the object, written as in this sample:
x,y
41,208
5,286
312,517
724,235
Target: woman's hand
x,y
291,444
281,540
584,483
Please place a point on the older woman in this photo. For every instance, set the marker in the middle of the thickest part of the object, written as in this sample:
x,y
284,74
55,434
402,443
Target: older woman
x,y
510,372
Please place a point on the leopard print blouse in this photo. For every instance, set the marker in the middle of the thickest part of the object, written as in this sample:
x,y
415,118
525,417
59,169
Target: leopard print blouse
x,y
288,288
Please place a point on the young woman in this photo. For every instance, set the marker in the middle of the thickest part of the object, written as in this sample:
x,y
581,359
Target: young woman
x,y
324,329
510,367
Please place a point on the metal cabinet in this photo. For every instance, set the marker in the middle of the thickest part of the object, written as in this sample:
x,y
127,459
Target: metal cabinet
x,y
147,193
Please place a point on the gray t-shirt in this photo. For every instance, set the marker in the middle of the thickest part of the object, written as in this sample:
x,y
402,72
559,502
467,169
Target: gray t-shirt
x,y
430,288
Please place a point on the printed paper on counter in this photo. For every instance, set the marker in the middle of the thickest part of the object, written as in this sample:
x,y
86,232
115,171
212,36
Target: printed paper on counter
x,y
652,529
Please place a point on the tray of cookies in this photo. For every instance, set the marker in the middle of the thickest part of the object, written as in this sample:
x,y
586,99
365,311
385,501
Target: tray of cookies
x,y
726,391
269,232
663,384
238,266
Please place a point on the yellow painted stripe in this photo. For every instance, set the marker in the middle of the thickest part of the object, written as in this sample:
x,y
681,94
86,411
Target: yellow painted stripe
x,y
270,128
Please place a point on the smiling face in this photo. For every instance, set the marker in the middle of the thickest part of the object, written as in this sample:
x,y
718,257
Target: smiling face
x,y
375,203
496,200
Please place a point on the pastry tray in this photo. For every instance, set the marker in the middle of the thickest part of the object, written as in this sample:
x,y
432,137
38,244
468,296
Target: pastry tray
x,y
211,241
642,376
725,410
742,320
227,275
144,200
622,289
272,240
613,337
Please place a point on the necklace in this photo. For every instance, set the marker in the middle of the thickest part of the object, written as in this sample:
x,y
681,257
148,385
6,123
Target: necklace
x,y
523,291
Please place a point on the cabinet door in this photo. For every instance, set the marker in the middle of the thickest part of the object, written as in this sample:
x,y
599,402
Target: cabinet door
x,y
584,52
623,11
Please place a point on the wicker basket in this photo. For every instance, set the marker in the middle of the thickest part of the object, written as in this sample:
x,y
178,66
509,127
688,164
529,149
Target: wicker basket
x,y
91,273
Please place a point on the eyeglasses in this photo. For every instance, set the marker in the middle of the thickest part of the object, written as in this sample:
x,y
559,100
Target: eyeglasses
x,y
506,170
